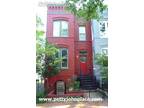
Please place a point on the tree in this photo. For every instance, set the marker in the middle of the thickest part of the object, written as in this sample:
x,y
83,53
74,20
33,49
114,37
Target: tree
x,y
40,47
102,60
52,62
87,9
47,64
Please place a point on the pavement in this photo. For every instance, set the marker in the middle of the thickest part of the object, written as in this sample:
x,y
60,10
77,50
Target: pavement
x,y
103,104
76,104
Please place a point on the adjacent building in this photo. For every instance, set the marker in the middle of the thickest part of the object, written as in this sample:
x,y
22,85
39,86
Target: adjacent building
x,y
100,39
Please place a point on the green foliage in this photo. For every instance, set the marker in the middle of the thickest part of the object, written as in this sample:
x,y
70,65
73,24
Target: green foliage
x,y
47,64
102,60
87,9
76,85
39,95
40,48
52,62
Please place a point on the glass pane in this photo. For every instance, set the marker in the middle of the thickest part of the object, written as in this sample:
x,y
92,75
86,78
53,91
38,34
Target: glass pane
x,y
82,37
64,63
105,51
83,52
64,28
56,28
102,27
64,52
81,30
83,59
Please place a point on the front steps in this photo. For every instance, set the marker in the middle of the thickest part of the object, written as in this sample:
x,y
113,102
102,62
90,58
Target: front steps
x,y
87,82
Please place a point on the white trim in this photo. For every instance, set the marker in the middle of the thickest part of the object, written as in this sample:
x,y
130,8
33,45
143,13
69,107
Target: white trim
x,y
104,49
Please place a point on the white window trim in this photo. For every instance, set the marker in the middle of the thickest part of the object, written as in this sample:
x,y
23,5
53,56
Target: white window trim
x,y
104,49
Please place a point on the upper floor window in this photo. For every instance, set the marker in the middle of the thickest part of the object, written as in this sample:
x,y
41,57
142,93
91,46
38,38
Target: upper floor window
x,y
103,26
82,33
60,28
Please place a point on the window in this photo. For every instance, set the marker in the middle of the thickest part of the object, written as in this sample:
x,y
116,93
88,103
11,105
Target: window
x,y
63,54
82,33
60,87
60,29
105,51
83,52
103,25
83,59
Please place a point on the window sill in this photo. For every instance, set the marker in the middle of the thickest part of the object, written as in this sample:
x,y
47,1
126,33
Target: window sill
x,y
64,68
82,40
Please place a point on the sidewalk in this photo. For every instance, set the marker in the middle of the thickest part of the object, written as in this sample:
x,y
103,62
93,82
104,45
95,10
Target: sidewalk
x,y
74,105
87,104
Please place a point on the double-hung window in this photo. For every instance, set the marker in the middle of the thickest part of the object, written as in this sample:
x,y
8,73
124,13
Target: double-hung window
x,y
60,28
82,33
63,54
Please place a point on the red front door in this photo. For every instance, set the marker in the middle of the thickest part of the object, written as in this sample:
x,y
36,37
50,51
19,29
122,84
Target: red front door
x,y
83,65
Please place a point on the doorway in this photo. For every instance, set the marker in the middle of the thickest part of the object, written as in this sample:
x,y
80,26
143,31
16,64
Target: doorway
x,y
83,65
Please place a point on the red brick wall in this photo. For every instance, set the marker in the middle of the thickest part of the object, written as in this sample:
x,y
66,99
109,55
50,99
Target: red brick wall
x,y
71,42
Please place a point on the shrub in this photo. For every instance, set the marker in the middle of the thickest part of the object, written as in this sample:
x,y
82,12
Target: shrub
x,y
39,95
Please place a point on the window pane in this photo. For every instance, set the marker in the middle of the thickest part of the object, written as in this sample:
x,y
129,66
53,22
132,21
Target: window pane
x,y
64,52
82,37
82,30
64,63
56,28
64,28
105,51
82,34
64,56
83,52
103,25
83,59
